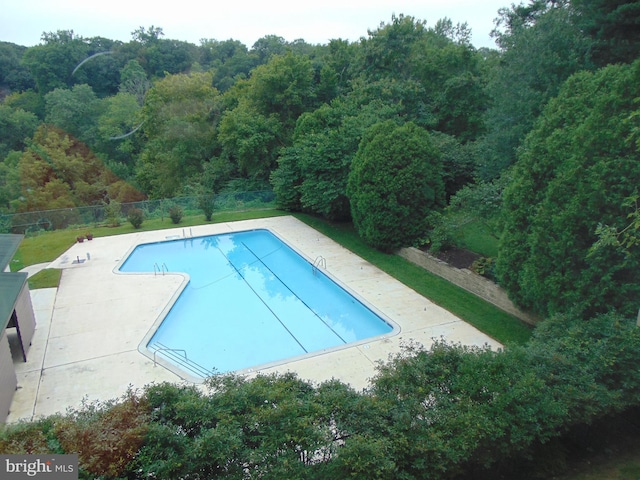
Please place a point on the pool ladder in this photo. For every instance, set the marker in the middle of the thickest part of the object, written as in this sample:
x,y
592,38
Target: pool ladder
x,y
165,349
160,269
320,261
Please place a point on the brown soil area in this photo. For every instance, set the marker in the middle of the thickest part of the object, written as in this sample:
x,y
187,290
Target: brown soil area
x,y
458,257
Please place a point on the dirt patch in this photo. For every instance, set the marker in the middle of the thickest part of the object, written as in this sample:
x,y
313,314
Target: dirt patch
x,y
457,257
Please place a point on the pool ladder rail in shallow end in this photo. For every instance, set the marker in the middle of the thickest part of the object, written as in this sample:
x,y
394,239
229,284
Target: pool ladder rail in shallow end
x,y
320,261
178,358
160,269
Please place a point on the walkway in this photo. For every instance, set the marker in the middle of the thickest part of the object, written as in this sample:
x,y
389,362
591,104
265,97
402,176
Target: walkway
x,y
89,329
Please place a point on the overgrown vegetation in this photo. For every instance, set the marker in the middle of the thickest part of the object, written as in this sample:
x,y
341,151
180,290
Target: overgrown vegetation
x,y
508,406
538,143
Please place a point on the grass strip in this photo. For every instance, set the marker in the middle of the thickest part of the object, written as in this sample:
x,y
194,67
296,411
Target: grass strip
x,y
48,246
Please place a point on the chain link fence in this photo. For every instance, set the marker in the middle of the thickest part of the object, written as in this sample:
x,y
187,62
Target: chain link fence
x,y
30,223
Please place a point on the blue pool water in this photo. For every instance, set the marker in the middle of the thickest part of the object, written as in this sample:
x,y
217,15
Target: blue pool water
x,y
251,300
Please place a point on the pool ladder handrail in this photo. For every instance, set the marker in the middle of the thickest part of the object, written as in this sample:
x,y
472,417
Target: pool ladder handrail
x,y
160,269
155,363
320,261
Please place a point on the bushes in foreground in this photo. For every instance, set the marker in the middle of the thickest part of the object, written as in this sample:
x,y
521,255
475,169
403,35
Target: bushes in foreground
x,y
437,414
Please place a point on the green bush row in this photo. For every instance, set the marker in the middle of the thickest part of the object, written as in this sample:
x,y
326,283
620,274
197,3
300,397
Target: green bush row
x,y
438,414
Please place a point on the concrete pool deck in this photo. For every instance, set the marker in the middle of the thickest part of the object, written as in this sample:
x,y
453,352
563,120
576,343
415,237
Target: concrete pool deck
x,y
88,330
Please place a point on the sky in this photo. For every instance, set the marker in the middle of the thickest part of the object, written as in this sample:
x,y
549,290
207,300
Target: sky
x,y
23,21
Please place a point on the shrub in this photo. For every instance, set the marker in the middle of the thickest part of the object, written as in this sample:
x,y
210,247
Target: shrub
x,y
394,185
106,436
113,211
484,266
175,213
136,217
206,204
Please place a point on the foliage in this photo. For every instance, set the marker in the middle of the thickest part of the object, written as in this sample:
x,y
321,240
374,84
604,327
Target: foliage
x,y
135,217
461,409
571,176
113,211
175,213
541,49
74,110
439,414
627,238
106,436
312,173
613,27
10,189
58,171
16,125
484,266
177,123
207,204
394,184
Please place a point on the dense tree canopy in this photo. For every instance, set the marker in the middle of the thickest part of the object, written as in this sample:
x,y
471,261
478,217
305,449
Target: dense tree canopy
x,y
176,120
539,139
575,171
394,184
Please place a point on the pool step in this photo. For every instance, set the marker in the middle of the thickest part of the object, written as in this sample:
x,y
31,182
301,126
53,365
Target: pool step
x,y
177,357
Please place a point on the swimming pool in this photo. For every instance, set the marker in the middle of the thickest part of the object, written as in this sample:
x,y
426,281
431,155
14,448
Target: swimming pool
x,y
251,301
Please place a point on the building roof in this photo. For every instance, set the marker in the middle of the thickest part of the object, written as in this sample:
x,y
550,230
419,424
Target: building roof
x,y
10,286
9,244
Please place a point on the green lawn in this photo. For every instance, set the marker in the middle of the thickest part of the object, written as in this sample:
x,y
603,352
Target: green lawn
x,y
48,246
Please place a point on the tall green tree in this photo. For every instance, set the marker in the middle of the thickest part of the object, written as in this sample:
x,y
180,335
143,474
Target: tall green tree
x,y
16,126
436,71
284,86
394,185
52,62
230,61
75,110
312,174
614,26
540,48
178,123
14,76
575,171
250,141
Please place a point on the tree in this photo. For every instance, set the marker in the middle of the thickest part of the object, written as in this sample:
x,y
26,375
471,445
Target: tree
x,y
250,140
312,173
283,87
435,72
118,130
614,27
52,62
134,81
13,75
230,60
178,122
75,111
9,182
16,126
575,171
394,184
541,48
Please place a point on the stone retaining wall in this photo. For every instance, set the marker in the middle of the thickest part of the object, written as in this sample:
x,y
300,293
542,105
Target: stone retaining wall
x,y
468,280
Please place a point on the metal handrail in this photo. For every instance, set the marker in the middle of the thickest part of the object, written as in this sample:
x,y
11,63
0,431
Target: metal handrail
x,y
170,350
160,269
320,261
